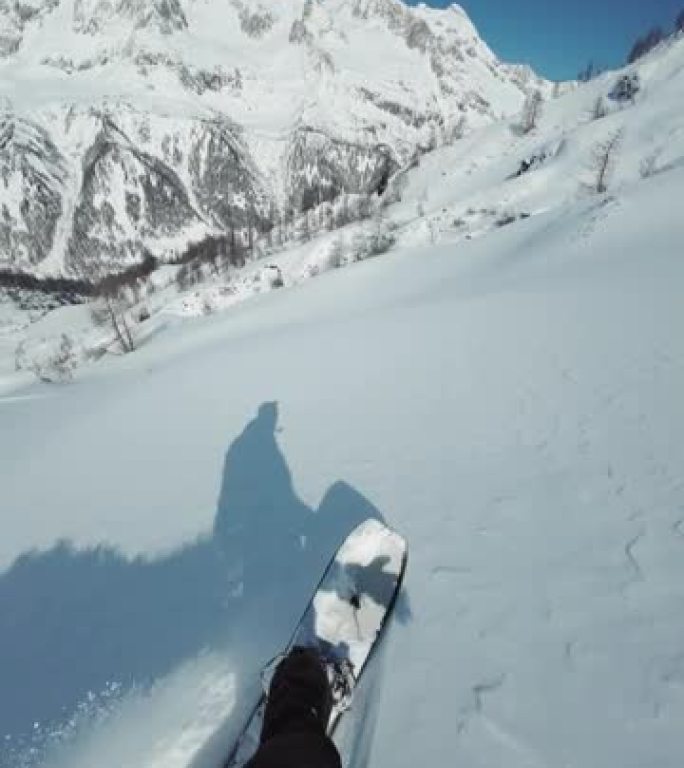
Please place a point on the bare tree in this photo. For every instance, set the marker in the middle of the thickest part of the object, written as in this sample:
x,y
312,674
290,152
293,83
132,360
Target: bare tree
x,y
648,166
531,112
187,276
49,362
110,310
599,111
336,253
338,214
238,250
604,158
63,363
364,207
278,234
250,234
208,307
272,226
328,216
433,139
304,228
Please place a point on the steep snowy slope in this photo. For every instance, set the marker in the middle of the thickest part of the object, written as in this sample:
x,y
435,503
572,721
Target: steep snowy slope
x,y
504,387
230,113
495,175
509,399
513,407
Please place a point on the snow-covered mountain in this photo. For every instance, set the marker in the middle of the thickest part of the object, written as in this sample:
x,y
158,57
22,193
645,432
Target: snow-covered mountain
x,y
128,125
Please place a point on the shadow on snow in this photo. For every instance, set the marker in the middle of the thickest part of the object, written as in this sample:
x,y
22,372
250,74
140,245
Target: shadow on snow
x,y
72,621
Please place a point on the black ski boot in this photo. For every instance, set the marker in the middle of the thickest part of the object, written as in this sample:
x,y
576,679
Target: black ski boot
x,y
299,696
298,707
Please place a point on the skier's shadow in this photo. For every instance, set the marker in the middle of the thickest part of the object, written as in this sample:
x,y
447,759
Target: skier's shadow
x,y
276,547
72,621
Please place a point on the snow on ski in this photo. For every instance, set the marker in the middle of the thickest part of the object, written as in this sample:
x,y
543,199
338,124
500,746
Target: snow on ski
x,y
346,615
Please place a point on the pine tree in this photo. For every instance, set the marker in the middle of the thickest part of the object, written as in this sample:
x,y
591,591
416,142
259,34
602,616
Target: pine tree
x,y
587,74
679,23
645,44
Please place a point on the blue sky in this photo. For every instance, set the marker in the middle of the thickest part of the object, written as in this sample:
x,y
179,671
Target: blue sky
x,y
559,38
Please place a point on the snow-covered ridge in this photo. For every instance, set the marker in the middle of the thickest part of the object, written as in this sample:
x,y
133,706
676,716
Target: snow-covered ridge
x,y
210,106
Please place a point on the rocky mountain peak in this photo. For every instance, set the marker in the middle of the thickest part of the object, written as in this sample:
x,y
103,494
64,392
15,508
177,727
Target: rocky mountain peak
x,y
98,16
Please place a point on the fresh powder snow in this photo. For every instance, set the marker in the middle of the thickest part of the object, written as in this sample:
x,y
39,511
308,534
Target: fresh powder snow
x,y
503,387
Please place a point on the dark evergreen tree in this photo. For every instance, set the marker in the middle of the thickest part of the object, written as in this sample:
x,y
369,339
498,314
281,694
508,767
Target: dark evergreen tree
x,y
645,44
587,74
679,23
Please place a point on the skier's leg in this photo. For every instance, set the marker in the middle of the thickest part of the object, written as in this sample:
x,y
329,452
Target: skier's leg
x,y
296,716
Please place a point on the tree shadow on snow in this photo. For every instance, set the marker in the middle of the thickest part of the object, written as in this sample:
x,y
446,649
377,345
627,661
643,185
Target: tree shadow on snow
x,y
73,621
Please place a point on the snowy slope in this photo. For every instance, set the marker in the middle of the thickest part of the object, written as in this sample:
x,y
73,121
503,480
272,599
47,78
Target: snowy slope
x,y
491,178
514,410
508,397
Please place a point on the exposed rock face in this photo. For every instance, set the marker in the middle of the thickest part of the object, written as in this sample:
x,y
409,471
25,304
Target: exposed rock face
x,y
228,185
126,197
320,169
413,118
255,22
31,172
190,77
94,16
154,183
418,35
15,17
135,126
